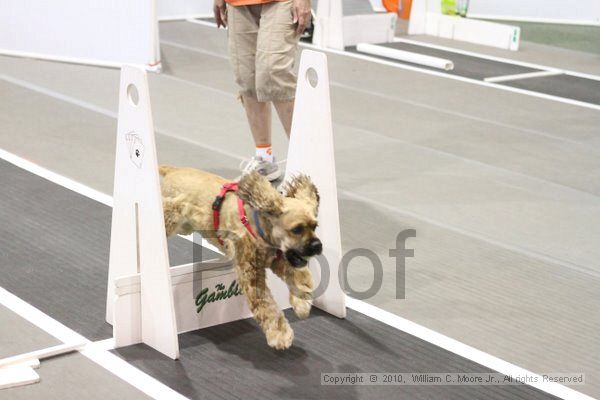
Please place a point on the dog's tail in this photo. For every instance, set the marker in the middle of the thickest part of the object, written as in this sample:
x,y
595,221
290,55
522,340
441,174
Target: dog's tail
x,y
165,169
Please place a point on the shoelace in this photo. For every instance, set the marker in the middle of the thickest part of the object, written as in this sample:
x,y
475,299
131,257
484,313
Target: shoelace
x,y
249,165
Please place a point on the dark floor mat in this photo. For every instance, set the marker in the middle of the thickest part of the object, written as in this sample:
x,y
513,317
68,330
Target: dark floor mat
x,y
54,250
233,361
571,87
467,66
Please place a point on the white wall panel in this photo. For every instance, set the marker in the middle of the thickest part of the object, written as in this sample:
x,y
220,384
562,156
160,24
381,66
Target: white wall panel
x,y
104,32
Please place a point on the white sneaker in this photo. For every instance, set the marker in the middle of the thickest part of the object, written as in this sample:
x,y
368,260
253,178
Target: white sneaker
x,y
269,170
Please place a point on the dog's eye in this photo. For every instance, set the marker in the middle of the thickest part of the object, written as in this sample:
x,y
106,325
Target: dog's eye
x,y
298,229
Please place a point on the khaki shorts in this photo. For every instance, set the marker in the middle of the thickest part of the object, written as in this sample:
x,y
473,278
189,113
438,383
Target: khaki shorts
x,y
262,49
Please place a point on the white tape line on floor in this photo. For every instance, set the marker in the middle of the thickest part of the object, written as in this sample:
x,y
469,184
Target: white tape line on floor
x,y
461,349
130,374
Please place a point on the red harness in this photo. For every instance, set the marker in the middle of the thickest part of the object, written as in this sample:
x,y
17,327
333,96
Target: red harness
x,y
229,187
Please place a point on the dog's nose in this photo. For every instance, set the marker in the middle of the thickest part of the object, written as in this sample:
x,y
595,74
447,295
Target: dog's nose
x,y
315,247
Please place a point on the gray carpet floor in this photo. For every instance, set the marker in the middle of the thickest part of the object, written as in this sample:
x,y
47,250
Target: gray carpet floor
x,y
74,377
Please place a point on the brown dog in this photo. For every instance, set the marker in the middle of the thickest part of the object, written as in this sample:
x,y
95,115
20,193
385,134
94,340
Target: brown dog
x,y
287,224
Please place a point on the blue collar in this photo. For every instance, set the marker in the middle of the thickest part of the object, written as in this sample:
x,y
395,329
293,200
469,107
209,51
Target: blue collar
x,y
259,228
261,233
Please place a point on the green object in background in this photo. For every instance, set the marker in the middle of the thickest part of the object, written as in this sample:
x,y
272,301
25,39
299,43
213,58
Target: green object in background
x,y
455,7
449,7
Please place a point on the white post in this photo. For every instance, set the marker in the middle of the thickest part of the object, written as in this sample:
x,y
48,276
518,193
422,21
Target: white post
x,y
328,25
320,18
138,241
311,152
418,17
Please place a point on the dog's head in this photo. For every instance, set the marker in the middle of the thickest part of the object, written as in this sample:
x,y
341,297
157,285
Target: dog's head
x,y
289,219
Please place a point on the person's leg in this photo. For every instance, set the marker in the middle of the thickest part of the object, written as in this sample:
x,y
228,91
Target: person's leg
x,y
277,45
242,36
285,111
259,119
243,32
244,23
258,114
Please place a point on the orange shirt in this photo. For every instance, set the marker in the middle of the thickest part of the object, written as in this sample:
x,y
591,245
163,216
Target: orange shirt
x,y
248,2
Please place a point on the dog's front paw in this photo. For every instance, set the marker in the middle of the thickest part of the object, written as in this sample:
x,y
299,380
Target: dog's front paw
x,y
301,304
281,335
302,281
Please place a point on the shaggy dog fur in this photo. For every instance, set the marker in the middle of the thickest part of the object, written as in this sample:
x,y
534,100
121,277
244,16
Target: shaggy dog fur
x,y
289,221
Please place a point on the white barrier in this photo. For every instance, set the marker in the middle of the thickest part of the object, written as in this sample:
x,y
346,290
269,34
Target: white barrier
x,y
107,33
334,30
32,358
17,376
406,56
328,30
149,302
19,370
426,19
369,28
311,152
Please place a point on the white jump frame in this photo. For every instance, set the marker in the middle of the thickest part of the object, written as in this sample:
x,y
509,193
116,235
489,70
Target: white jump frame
x,y
150,302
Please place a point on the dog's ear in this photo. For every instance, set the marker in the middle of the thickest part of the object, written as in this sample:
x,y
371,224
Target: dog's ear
x,y
302,187
258,193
